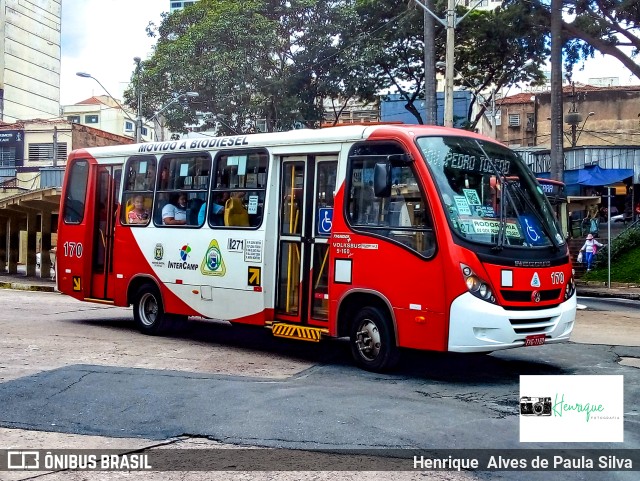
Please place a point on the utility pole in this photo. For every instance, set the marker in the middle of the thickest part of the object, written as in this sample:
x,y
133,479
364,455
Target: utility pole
x,y
449,60
557,143
139,92
55,146
450,23
493,114
430,99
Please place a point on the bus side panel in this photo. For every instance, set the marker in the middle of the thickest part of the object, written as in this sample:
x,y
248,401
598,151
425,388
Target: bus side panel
x,y
414,286
157,253
130,262
74,250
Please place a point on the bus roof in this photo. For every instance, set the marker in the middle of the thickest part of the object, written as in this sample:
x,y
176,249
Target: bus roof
x,y
349,133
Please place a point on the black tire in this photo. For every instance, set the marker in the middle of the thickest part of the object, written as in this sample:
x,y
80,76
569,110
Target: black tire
x,y
372,340
148,311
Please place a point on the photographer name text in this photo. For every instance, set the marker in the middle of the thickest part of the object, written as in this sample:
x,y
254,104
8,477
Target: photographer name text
x,y
556,462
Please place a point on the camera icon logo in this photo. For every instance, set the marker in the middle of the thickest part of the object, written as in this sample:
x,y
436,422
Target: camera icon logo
x,y
535,406
23,460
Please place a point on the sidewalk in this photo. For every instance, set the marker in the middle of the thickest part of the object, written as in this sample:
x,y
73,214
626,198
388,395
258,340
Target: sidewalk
x,y
600,289
26,283
584,288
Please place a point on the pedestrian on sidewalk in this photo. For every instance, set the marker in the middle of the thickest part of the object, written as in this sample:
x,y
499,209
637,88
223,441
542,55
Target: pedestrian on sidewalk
x,y
590,248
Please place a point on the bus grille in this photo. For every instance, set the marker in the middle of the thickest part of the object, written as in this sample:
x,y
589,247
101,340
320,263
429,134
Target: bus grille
x,y
525,296
532,326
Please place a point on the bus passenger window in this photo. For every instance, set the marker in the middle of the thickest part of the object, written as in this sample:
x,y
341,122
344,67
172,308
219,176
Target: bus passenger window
x,y
137,197
239,189
182,190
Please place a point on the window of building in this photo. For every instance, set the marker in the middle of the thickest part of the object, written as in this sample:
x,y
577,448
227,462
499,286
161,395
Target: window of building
x,y
514,120
7,156
182,189
43,152
176,4
144,131
402,217
128,126
75,119
90,119
530,121
239,189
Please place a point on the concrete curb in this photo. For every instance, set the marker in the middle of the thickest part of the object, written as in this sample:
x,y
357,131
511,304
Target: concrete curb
x,y
26,287
608,293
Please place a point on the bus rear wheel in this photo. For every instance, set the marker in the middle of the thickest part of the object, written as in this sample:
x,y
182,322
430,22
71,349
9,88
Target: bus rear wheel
x,y
148,311
372,341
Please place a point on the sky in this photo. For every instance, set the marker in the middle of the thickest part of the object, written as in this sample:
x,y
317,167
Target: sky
x,y
101,37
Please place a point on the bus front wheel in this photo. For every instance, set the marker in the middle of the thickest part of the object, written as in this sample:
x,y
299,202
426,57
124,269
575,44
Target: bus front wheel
x,y
148,312
372,341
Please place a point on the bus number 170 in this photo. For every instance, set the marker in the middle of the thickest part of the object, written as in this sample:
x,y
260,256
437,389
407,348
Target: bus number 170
x,y
557,278
73,249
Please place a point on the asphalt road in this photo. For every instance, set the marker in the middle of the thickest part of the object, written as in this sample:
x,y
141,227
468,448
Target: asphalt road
x,y
81,369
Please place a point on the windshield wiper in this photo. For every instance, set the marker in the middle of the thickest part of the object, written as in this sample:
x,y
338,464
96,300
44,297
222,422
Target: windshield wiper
x,y
502,225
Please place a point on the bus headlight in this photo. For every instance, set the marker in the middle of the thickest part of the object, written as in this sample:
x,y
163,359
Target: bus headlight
x,y
569,289
476,285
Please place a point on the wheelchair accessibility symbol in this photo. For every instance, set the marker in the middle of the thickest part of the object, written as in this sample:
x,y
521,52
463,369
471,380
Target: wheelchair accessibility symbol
x,y
325,221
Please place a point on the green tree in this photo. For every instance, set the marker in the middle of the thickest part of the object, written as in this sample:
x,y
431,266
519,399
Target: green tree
x,y
611,27
248,60
493,49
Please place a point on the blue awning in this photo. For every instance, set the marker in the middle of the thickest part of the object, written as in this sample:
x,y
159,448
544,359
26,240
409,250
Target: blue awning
x,y
593,176
596,176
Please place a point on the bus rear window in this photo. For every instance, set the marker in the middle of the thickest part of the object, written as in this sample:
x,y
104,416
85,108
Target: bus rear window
x,y
74,200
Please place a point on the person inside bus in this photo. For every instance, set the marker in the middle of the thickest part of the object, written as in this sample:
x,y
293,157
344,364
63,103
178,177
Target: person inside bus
x,y
217,214
175,212
138,215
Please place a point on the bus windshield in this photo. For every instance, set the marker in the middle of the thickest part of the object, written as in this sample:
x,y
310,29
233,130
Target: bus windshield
x,y
490,195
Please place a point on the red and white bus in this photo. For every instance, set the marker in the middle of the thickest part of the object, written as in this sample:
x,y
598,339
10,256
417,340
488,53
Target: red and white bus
x,y
396,236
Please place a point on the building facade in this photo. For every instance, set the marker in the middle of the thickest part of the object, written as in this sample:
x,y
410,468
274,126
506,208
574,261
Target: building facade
x,y
29,59
593,116
516,120
606,116
104,113
38,145
179,5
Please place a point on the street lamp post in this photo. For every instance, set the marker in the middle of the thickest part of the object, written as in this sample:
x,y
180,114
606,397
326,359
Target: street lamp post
x,y
176,98
88,75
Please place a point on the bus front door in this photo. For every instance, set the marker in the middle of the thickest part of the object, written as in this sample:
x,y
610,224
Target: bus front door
x,y
107,181
306,210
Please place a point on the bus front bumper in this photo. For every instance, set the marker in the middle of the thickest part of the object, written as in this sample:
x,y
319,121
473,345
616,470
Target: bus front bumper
x,y
478,326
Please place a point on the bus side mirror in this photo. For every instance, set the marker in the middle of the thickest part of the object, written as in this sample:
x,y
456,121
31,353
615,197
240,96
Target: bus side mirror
x,y
382,179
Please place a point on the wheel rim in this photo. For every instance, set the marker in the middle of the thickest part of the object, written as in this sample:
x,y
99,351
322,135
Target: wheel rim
x,y
148,309
368,340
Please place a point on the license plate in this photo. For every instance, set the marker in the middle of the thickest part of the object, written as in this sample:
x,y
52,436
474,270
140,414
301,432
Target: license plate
x,y
536,340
